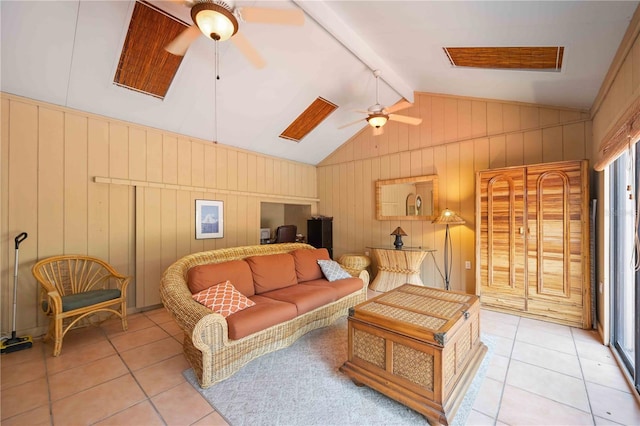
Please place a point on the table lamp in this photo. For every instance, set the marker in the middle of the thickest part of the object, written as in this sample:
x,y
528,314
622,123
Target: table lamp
x,y
399,233
448,217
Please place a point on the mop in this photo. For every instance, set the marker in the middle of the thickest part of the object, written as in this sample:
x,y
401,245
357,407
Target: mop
x,y
13,343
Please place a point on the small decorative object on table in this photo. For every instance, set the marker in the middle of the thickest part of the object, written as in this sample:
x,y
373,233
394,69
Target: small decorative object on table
x,y
399,233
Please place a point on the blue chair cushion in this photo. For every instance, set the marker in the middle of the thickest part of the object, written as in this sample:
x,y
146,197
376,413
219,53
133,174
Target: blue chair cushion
x,y
87,298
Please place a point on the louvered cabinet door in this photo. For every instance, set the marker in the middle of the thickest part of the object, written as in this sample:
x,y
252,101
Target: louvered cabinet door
x,y
558,242
500,239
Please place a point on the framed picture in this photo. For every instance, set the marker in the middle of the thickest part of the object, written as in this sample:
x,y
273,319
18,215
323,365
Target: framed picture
x,y
209,219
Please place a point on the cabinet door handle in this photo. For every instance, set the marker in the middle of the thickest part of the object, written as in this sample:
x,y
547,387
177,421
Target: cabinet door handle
x,y
521,230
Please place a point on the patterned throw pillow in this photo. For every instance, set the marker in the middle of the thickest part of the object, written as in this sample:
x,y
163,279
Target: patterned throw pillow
x,y
332,270
223,298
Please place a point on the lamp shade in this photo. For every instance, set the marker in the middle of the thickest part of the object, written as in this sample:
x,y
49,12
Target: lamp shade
x,y
399,231
215,21
377,120
448,217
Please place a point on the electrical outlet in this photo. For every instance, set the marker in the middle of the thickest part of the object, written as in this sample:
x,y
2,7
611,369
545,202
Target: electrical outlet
x,y
467,264
600,287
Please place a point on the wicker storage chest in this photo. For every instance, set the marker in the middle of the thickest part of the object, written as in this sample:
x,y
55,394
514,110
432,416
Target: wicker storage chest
x,y
418,345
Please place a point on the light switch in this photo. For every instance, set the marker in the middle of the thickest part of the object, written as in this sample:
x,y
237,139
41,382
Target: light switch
x,y
467,264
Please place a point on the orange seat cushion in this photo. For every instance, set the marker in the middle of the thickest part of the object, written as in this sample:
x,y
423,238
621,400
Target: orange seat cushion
x,y
223,299
272,272
265,313
341,287
306,261
305,297
238,272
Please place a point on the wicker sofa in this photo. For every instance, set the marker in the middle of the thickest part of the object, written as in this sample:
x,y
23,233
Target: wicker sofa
x,y
207,346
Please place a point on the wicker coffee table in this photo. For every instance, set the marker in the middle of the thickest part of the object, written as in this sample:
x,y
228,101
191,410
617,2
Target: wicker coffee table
x,y
418,345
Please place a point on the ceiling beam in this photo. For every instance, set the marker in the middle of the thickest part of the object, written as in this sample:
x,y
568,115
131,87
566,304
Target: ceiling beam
x,y
334,25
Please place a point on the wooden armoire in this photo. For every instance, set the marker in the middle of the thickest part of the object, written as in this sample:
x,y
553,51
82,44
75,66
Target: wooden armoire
x,y
532,241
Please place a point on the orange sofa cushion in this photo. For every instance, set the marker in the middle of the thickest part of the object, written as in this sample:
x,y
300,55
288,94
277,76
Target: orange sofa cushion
x,y
238,272
265,313
272,272
223,299
306,261
305,297
341,288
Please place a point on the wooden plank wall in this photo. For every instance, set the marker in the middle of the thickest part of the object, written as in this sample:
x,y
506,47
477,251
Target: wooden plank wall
x,y
140,215
458,136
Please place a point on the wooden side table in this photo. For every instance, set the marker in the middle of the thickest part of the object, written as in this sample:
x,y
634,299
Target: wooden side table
x,y
397,267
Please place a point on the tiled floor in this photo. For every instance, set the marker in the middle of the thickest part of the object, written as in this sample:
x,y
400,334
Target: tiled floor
x,y
540,374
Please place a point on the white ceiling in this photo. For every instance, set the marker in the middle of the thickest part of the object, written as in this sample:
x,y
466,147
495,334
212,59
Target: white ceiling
x,y
69,58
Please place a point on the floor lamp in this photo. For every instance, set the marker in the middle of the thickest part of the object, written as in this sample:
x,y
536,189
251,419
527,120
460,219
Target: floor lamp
x,y
447,217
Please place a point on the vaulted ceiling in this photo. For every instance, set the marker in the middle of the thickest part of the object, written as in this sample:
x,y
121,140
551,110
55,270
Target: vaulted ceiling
x,y
67,53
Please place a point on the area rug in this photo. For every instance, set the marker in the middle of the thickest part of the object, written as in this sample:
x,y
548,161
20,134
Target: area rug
x,y
301,385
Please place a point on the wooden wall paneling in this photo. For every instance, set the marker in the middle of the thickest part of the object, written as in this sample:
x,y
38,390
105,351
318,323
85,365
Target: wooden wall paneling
x,y
478,119
184,231
511,117
405,164
277,177
464,119
232,169
350,202
413,132
252,173
453,189
184,161
197,164
497,152
572,115
514,149
382,141
451,118
121,226
284,177
269,176
588,136
75,184
403,134
98,194
495,122
50,191
445,194
231,224
359,206
532,148
341,216
573,142
415,163
552,144
242,172
425,128
467,208
118,151
549,116
168,220
154,156
23,217
5,245
635,65
261,174
152,247
169,159
253,221
221,168
295,171
481,155
529,117
210,166
346,150
137,153
140,245
196,245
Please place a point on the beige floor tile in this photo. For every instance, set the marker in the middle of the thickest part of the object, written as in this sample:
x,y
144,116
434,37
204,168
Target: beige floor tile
x,y
497,328
476,418
159,316
162,376
595,351
545,339
137,338
488,399
152,353
135,322
181,405
78,356
140,414
520,407
83,336
604,422
36,352
213,419
171,328
25,397
614,405
97,403
586,335
17,374
503,346
37,417
547,358
546,326
604,374
499,316
86,376
498,368
549,384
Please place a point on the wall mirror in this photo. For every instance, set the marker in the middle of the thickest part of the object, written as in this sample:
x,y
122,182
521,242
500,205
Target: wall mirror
x,y
413,198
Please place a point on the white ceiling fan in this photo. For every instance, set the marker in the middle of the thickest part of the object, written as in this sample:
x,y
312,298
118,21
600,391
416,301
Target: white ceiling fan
x,y
378,115
219,20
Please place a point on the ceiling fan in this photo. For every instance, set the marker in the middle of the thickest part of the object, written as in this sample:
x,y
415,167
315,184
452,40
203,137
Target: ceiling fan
x,y
378,115
219,21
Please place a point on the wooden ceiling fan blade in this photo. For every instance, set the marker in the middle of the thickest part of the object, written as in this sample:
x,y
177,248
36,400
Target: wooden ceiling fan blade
x,y
247,49
414,121
272,16
350,124
403,104
377,131
179,45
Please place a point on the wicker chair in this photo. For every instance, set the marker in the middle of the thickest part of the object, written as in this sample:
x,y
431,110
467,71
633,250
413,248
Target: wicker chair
x,y
76,286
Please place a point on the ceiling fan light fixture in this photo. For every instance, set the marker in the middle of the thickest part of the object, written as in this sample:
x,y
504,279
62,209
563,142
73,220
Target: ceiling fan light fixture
x,y
214,20
377,120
